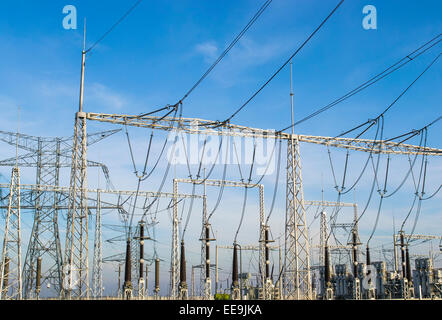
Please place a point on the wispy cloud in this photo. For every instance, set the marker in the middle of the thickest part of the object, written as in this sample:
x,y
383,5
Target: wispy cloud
x,y
102,96
247,54
208,50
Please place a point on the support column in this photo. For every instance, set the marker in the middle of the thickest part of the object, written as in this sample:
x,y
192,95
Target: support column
x,y
11,267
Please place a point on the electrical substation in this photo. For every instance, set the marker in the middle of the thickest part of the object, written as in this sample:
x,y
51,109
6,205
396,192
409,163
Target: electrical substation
x,y
196,228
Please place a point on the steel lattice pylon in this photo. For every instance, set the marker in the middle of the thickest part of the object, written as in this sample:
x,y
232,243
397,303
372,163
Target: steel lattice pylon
x,y
76,269
174,272
97,275
11,268
297,278
323,238
47,155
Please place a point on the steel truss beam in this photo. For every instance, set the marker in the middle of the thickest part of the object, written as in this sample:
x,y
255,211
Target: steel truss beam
x,y
217,183
11,285
297,284
47,155
208,127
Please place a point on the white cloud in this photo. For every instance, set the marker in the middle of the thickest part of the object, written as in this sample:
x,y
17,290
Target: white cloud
x,y
102,96
208,50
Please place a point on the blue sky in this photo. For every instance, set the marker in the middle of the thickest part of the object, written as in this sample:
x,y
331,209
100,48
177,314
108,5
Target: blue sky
x,y
162,48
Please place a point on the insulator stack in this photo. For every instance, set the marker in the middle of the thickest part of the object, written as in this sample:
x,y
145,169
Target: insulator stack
x,y
157,275
407,257
38,278
326,267
141,250
207,252
368,256
183,266
368,263
235,282
266,242
355,255
127,268
404,271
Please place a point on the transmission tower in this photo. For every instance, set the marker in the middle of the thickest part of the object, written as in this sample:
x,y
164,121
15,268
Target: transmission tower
x,y
47,155
323,238
295,211
76,277
11,267
97,275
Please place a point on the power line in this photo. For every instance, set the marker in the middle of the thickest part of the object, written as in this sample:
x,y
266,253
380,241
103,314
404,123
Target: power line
x,y
114,26
395,100
285,63
408,58
231,45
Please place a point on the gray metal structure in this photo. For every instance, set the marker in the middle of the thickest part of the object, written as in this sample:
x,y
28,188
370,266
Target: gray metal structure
x,y
11,284
47,155
297,284
214,183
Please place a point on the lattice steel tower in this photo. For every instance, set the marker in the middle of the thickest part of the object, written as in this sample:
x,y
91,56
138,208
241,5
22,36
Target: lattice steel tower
x,y
47,155
297,280
97,275
76,275
11,268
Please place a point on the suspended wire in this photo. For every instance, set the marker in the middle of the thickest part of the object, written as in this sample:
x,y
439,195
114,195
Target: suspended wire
x,y
285,63
140,178
275,189
408,58
114,26
340,191
231,45
422,174
221,189
380,116
146,176
245,196
382,196
189,212
237,160
255,184
375,170
416,186
197,176
253,161
214,163
365,165
408,172
242,214
397,98
438,189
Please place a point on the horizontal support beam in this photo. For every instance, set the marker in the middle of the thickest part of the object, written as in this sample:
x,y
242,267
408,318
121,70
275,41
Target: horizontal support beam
x,y
328,203
419,237
219,183
207,127
146,194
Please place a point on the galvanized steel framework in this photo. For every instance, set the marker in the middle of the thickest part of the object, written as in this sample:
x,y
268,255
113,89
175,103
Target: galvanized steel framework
x,y
297,284
64,191
97,274
215,183
48,155
11,286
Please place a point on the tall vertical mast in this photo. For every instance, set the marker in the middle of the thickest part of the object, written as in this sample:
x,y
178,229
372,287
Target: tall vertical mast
x,y
297,284
76,270
11,267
